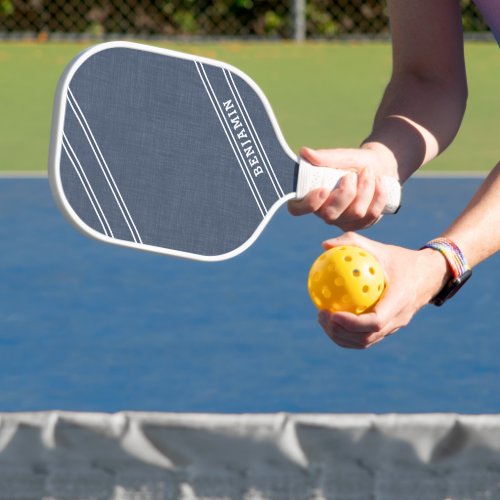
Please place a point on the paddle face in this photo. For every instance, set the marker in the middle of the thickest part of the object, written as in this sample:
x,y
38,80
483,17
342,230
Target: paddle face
x,y
166,152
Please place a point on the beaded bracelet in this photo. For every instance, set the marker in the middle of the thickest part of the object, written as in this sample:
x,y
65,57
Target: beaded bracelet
x,y
452,254
459,267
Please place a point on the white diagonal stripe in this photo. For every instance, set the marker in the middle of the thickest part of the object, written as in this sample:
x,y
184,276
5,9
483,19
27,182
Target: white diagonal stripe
x,y
87,186
104,166
255,136
232,142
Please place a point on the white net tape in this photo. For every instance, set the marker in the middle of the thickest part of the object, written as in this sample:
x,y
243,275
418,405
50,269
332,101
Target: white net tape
x,y
160,456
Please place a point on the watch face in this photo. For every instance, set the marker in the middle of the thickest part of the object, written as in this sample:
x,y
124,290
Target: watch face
x,y
451,288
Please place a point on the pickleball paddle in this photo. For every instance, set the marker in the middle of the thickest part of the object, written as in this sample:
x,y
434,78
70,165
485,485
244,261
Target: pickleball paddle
x,y
172,153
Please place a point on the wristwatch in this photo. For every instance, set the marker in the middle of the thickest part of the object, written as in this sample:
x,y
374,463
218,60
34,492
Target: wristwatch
x,y
460,270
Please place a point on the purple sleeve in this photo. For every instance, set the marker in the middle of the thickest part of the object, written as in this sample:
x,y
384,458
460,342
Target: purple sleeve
x,y
490,9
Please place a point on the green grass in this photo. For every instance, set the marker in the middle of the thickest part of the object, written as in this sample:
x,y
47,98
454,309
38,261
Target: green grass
x,y
323,94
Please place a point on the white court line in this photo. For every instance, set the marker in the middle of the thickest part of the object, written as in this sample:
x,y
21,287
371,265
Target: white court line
x,y
13,174
456,174
432,174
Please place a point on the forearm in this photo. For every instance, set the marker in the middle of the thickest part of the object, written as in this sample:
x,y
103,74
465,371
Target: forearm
x,y
424,102
477,230
416,121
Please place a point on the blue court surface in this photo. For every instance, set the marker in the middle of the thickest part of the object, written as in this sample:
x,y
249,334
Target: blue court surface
x,y
91,327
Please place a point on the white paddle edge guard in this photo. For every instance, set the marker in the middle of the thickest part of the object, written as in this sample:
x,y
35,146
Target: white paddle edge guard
x,y
312,177
54,171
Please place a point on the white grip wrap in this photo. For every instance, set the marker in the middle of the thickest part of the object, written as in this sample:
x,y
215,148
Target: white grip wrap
x,y
311,177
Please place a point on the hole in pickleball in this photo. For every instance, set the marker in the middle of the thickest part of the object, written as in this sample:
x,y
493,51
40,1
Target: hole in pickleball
x,y
317,300
356,273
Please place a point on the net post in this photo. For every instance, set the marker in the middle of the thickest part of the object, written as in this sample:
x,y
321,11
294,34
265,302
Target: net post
x,y
299,20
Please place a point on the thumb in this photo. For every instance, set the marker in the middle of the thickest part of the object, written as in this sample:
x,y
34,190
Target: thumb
x,y
336,158
349,238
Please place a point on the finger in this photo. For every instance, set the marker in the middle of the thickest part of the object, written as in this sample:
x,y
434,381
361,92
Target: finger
x,y
353,340
342,340
373,325
339,335
364,196
361,340
310,203
356,215
376,209
353,159
339,199
368,207
335,328
348,238
362,324
328,208
357,224
379,200
345,344
312,156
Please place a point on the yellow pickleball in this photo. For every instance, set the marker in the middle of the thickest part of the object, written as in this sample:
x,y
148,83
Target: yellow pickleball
x,y
346,278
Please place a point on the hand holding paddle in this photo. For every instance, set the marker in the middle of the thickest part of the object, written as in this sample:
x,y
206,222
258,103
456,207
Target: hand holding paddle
x,y
360,198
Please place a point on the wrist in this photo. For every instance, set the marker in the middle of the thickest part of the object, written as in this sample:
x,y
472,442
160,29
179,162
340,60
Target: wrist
x,y
437,273
388,165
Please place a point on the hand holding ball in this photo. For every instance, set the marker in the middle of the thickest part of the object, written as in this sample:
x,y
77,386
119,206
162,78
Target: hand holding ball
x,y
346,278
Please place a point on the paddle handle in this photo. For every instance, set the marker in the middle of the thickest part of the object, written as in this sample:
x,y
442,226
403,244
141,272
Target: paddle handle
x,y
311,177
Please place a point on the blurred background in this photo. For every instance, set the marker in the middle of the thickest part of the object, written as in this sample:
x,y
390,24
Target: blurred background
x,y
323,64
283,19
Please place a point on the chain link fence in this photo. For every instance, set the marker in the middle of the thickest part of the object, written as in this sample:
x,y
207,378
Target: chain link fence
x,y
284,19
